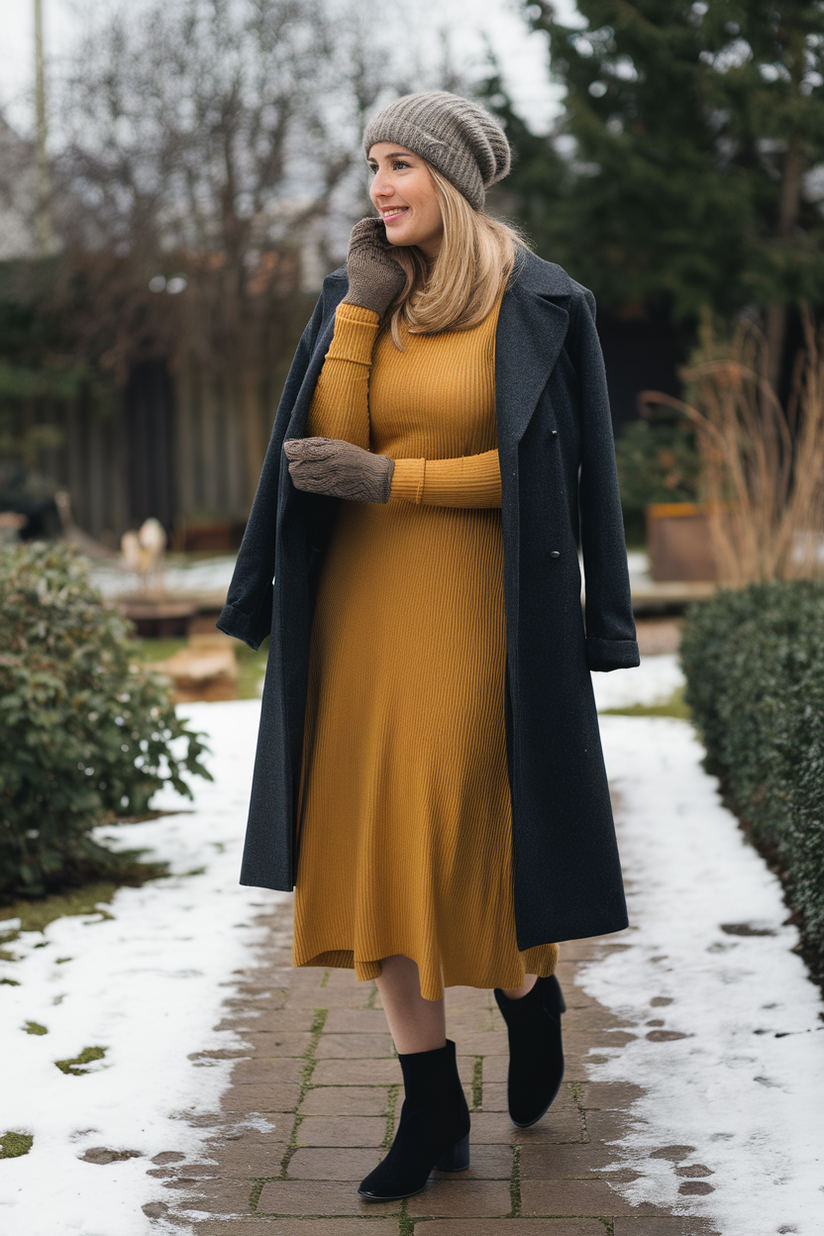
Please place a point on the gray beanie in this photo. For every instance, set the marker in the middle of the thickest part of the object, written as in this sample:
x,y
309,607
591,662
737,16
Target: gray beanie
x,y
456,136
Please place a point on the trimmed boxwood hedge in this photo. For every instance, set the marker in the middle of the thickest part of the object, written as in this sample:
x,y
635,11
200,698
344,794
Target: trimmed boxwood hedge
x,y
85,734
754,663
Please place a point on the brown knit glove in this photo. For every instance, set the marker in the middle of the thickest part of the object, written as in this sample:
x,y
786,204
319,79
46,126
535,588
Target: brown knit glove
x,y
375,278
339,469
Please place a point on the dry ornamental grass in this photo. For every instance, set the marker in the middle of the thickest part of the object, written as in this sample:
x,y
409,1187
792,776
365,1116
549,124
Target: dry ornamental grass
x,y
762,465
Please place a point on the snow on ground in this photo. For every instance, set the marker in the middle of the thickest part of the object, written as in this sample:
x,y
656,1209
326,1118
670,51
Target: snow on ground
x,y
180,574
146,984
745,1088
652,682
639,566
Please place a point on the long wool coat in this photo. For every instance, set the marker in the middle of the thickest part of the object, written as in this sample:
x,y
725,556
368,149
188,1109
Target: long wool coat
x,y
559,490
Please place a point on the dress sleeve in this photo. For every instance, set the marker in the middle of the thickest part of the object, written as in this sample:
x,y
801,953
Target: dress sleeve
x,y
471,481
340,405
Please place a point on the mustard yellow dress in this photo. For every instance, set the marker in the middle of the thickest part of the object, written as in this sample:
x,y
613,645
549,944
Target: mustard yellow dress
x,y
405,815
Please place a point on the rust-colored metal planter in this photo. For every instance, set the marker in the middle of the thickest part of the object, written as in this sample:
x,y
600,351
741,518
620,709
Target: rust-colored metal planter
x,y
679,542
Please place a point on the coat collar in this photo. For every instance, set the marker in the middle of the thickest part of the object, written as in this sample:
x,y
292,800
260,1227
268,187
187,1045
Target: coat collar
x,y
532,326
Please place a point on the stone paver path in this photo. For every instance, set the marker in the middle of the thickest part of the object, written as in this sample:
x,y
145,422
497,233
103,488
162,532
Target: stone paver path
x,y
321,1068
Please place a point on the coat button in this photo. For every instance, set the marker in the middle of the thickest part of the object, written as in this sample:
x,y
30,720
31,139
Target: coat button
x,y
554,433
555,553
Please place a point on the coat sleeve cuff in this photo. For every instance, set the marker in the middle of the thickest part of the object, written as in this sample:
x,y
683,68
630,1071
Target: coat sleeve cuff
x,y
251,628
610,654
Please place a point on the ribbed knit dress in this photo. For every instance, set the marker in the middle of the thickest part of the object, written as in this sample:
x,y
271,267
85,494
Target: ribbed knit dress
x,y
405,815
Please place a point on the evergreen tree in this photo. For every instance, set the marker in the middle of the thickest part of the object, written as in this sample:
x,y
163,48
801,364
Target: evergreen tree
x,y
687,168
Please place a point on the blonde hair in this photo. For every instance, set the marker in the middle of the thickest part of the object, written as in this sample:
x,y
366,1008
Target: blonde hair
x,y
461,286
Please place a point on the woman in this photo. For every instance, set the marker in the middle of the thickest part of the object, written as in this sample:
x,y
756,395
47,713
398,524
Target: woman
x,y
429,771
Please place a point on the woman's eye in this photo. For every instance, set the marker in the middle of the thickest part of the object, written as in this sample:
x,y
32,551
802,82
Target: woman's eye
x,y
400,163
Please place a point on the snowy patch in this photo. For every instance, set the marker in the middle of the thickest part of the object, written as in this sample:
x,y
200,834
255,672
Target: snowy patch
x,y
639,566
178,575
710,960
146,985
652,682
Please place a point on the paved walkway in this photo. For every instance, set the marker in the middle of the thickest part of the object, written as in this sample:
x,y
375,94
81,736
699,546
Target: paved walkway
x,y
321,1069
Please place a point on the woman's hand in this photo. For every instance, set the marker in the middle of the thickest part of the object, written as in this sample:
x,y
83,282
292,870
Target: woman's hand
x,y
339,469
375,277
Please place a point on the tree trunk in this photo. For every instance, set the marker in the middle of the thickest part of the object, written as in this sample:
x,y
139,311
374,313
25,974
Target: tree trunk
x,y
776,333
788,207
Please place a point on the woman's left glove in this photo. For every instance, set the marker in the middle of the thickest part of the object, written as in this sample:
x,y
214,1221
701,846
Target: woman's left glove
x,y
375,275
339,469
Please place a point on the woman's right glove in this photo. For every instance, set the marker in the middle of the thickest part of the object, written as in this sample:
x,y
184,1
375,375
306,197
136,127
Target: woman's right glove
x,y
375,277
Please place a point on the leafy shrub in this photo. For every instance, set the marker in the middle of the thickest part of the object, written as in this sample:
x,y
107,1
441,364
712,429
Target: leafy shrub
x,y
657,462
85,735
754,663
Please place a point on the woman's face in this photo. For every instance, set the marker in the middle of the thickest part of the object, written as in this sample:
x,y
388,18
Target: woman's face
x,y
404,193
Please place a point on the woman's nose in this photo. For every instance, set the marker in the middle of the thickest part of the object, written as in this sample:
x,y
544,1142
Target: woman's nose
x,y
381,187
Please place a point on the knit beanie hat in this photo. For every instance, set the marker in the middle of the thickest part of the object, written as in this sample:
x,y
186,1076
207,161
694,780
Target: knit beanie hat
x,y
454,135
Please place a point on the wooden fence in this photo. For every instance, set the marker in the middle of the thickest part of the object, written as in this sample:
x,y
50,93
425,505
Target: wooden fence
x,y
168,444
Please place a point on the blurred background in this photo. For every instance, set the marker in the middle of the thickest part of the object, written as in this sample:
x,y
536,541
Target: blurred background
x,y
176,179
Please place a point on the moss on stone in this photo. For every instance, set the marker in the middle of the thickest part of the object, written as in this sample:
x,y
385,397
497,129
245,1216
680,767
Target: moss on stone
x,y
87,1056
36,914
13,1145
675,706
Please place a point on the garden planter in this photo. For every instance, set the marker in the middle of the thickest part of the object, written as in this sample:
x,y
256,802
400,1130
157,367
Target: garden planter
x,y
679,542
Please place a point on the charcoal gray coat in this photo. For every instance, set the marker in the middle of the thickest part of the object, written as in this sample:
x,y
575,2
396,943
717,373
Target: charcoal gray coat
x,y
559,490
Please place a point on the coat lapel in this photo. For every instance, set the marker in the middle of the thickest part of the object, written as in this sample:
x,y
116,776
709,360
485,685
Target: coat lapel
x,y
531,331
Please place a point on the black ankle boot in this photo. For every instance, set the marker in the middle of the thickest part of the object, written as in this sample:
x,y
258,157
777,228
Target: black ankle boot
x,y
434,1127
536,1055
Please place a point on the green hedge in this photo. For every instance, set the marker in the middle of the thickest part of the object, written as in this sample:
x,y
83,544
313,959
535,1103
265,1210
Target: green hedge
x,y
754,663
85,735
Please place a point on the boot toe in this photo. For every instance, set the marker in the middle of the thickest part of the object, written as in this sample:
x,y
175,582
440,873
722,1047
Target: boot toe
x,y
369,1196
525,1119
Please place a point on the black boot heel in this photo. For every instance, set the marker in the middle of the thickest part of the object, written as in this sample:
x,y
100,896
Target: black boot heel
x,y
456,1159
